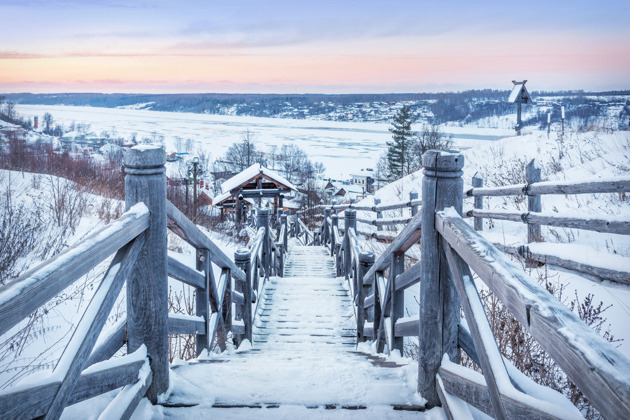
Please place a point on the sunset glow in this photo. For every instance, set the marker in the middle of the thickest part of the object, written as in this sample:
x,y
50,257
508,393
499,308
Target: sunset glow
x,y
300,47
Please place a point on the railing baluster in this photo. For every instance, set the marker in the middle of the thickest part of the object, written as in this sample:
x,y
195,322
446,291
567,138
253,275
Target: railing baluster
x,y
202,300
477,182
366,260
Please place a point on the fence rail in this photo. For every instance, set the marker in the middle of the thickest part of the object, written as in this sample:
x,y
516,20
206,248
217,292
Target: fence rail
x,y
451,250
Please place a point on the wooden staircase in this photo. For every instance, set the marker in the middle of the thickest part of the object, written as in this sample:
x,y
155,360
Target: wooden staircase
x,y
304,355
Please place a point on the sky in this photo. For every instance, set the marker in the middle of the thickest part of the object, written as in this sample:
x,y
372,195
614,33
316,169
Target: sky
x,y
341,46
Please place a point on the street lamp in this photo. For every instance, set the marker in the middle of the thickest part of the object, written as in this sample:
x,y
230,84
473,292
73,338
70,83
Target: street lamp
x,y
194,171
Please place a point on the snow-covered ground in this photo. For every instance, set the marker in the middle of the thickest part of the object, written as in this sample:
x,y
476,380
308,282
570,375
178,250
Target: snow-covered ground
x,y
577,157
343,147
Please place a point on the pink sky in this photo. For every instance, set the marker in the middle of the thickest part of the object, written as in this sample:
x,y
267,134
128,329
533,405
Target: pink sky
x,y
156,46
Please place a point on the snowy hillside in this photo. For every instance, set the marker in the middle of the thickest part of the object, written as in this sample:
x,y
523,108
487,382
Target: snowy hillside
x,y
579,157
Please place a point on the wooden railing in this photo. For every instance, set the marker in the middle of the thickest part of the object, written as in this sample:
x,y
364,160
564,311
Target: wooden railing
x,y
534,218
451,251
379,221
139,241
263,259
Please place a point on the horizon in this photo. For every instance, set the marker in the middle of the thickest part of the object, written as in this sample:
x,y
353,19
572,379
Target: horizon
x,y
157,47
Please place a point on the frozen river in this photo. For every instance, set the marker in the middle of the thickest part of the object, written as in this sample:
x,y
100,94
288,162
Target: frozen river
x,y
343,147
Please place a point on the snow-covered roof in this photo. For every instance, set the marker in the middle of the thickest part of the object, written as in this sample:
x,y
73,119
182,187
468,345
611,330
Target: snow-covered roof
x,y
221,198
515,95
252,172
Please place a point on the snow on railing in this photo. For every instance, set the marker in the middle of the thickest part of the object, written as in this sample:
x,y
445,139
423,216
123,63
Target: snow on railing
x,y
450,248
534,218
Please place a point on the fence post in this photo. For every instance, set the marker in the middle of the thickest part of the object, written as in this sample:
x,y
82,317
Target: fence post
x,y
442,186
366,261
280,259
263,221
327,212
202,299
285,239
350,222
298,216
413,195
379,214
147,285
335,224
534,203
397,307
477,182
242,258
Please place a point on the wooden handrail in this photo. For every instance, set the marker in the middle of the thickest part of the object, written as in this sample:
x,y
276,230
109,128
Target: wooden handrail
x,y
189,232
589,361
608,185
608,225
31,290
405,239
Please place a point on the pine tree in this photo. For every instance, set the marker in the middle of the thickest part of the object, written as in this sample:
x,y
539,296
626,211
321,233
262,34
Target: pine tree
x,y
399,150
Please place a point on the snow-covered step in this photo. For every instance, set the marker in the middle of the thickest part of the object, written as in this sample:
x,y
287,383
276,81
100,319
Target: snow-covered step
x,y
304,358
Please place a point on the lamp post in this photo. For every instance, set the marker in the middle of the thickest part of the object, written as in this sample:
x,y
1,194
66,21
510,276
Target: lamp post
x,y
194,172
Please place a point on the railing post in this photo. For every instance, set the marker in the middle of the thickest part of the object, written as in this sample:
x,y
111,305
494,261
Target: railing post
x,y
534,203
379,214
263,221
326,240
442,186
333,242
202,299
147,285
280,272
242,259
285,239
350,221
397,306
298,216
477,182
239,211
413,195
366,261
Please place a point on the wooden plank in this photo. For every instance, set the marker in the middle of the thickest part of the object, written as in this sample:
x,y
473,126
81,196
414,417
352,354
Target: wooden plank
x,y
610,185
409,277
369,301
110,345
385,222
397,308
454,408
603,273
237,298
188,231
490,358
78,350
125,403
407,327
474,391
31,290
477,182
405,239
34,401
368,329
465,341
606,225
186,324
202,300
185,274
589,361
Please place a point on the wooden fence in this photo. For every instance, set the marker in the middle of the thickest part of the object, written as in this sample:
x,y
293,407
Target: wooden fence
x,y
534,218
451,251
139,241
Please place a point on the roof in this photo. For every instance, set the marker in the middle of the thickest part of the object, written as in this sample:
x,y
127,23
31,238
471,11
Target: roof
x,y
250,173
519,94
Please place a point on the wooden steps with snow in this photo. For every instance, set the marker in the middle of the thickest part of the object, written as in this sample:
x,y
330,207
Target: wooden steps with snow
x,y
304,354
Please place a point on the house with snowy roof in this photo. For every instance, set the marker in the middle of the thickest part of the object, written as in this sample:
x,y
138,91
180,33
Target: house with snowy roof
x,y
254,183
